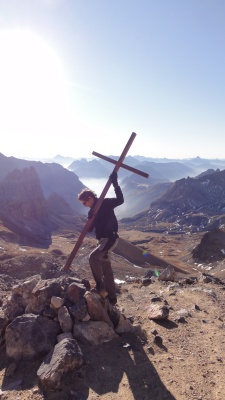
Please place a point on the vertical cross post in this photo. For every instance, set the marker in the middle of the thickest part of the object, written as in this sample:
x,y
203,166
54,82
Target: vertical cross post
x,y
118,164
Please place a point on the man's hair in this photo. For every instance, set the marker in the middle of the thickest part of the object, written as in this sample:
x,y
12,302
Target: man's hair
x,y
85,194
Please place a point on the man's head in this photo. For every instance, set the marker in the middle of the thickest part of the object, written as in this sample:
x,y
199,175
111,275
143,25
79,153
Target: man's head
x,y
87,197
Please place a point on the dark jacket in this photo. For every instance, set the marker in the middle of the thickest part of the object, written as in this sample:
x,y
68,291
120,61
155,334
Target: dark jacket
x,y
105,222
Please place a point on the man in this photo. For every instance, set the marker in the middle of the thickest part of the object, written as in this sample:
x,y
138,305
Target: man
x,y
106,230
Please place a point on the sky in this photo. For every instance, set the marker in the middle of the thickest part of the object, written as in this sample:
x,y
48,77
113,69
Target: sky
x,y
78,76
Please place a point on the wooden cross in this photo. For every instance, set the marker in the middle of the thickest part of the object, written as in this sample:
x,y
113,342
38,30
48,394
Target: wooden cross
x,y
118,165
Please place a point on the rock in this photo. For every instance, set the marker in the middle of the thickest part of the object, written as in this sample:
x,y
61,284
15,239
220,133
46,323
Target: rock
x,y
57,302
65,319
4,320
140,333
151,350
15,385
65,335
168,274
79,310
11,369
181,320
25,288
155,299
46,289
42,295
93,332
50,313
75,292
158,340
205,278
95,308
86,318
14,307
156,311
114,315
124,325
66,356
30,337
196,307
183,313
146,281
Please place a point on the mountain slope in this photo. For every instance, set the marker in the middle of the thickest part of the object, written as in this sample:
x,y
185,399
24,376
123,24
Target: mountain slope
x,y
27,213
193,204
53,178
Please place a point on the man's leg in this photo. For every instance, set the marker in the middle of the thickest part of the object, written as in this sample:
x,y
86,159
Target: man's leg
x,y
95,261
108,275
109,281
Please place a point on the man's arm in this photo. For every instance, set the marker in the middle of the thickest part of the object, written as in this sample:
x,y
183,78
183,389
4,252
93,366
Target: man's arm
x,y
119,195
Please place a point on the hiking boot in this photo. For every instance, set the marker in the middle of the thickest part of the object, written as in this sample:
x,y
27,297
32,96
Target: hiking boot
x,y
102,292
113,300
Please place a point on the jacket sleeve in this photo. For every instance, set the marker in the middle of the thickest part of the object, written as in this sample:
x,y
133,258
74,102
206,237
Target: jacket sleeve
x,y
89,216
119,197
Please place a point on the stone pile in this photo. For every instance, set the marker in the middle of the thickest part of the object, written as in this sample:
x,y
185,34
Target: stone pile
x,y
48,319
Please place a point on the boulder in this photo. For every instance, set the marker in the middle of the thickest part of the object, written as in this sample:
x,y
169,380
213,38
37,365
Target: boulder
x,y
97,308
156,311
66,356
93,332
30,337
168,274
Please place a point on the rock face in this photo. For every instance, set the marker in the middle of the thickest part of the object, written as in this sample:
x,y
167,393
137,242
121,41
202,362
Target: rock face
x,y
25,210
23,206
52,176
211,247
196,204
36,198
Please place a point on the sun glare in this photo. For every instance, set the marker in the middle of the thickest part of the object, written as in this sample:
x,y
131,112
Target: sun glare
x,y
32,89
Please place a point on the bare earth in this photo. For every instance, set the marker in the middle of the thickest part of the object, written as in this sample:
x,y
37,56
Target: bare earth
x,y
188,362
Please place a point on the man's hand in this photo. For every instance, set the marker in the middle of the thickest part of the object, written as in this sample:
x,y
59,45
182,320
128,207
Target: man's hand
x,y
113,178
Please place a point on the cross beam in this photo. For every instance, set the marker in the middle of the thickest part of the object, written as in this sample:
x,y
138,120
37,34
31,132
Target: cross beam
x,y
118,164
136,171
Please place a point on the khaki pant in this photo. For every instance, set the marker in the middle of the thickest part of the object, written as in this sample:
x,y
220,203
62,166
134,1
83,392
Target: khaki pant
x,y
100,263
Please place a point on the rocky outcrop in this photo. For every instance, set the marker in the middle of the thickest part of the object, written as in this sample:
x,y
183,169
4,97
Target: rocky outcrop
x,y
25,210
211,247
23,207
21,196
190,204
53,178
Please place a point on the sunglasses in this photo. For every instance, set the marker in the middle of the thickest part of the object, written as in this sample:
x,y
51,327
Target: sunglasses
x,y
84,203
